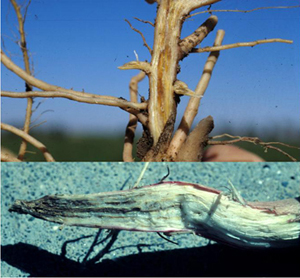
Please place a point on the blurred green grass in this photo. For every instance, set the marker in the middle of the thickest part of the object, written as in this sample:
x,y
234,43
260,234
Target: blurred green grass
x,y
96,148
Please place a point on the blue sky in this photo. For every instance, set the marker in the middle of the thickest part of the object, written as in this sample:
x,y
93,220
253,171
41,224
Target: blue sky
x,y
80,43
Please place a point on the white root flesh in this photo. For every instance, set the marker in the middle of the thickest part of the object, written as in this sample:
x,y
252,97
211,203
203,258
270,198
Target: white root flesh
x,y
176,207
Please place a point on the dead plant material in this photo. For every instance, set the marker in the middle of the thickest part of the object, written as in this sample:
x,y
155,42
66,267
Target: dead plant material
x,y
192,149
176,207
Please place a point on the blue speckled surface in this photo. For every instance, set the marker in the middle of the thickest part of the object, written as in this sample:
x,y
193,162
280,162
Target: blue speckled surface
x,y
32,247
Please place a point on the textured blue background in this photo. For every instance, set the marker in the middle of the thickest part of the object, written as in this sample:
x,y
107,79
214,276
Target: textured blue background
x,y
33,247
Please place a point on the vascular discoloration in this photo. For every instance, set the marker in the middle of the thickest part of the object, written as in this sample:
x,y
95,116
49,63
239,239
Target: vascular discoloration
x,y
175,207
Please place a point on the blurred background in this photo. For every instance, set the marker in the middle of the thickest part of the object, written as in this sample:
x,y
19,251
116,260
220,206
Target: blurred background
x,y
254,91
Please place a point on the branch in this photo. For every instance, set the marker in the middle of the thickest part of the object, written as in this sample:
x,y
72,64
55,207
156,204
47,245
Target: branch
x,y
144,40
23,47
254,140
105,100
132,124
238,44
192,108
243,11
195,4
30,140
191,41
144,66
181,88
23,44
145,21
130,107
56,91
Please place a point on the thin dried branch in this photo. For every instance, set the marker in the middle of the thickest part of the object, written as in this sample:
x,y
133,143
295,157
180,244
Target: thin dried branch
x,y
29,139
238,44
192,108
191,41
144,66
23,46
130,107
26,9
145,21
143,37
182,88
243,11
132,124
196,4
254,140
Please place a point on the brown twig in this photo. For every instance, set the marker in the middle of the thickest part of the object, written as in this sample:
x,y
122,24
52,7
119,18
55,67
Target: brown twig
x,y
23,46
128,106
29,139
243,11
132,124
191,41
49,87
254,140
192,108
56,91
238,44
145,21
138,31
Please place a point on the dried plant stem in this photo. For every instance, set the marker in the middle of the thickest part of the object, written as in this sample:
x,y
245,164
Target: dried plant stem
x,y
192,108
164,62
145,21
143,37
238,44
137,183
176,207
56,91
30,140
23,46
243,11
191,41
254,140
131,107
132,124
